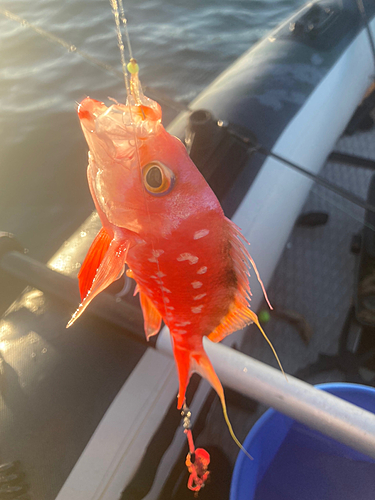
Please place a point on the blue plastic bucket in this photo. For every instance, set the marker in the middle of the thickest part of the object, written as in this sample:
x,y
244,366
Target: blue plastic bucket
x,y
293,462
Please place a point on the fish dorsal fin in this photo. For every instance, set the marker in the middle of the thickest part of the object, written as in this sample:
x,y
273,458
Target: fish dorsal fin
x,y
103,265
152,317
240,314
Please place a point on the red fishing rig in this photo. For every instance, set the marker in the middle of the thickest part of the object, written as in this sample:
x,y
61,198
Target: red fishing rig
x,y
197,460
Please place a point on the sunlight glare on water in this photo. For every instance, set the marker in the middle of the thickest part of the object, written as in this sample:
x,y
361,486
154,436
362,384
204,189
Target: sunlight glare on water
x,y
181,47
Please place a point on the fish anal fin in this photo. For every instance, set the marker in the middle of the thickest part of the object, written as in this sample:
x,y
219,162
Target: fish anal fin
x,y
152,318
92,261
110,269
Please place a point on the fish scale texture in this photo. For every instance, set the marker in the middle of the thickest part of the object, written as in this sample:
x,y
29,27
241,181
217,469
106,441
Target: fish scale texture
x,y
315,278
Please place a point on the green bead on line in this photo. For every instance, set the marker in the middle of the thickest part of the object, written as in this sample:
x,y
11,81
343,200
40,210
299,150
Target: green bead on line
x,y
133,67
264,316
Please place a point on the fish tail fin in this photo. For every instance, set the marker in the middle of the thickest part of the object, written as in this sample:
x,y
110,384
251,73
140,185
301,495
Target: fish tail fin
x,y
198,361
183,361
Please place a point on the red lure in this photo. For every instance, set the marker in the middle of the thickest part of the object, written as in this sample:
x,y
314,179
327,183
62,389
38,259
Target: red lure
x,y
162,219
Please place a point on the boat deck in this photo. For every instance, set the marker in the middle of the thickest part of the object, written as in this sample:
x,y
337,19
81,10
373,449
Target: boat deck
x,y
314,278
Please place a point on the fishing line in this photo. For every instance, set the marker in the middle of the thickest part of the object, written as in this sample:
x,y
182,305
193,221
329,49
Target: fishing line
x,y
120,44
253,146
132,91
154,94
53,38
125,24
183,107
343,210
357,200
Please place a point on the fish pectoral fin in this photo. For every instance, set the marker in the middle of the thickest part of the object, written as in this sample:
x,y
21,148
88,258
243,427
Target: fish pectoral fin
x,y
103,265
93,259
152,317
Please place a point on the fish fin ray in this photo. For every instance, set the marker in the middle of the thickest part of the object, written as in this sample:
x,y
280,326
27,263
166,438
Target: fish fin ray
x,y
92,261
238,317
239,314
256,321
152,317
109,270
182,358
242,257
189,361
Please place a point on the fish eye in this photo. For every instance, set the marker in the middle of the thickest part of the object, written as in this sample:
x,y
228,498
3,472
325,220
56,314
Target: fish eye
x,y
157,178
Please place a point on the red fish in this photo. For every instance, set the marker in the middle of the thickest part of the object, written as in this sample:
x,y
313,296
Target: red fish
x,y
161,218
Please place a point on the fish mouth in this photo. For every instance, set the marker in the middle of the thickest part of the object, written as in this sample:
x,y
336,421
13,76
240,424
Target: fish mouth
x,y
96,117
108,130
89,110
120,120
113,132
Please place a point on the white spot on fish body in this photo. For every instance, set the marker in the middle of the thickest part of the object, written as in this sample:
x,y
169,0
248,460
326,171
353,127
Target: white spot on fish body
x,y
170,308
193,259
180,331
166,290
200,296
196,284
155,255
160,274
197,309
200,234
183,323
202,270
166,300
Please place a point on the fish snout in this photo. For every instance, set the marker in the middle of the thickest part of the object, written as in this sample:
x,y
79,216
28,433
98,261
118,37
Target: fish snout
x,y
89,109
